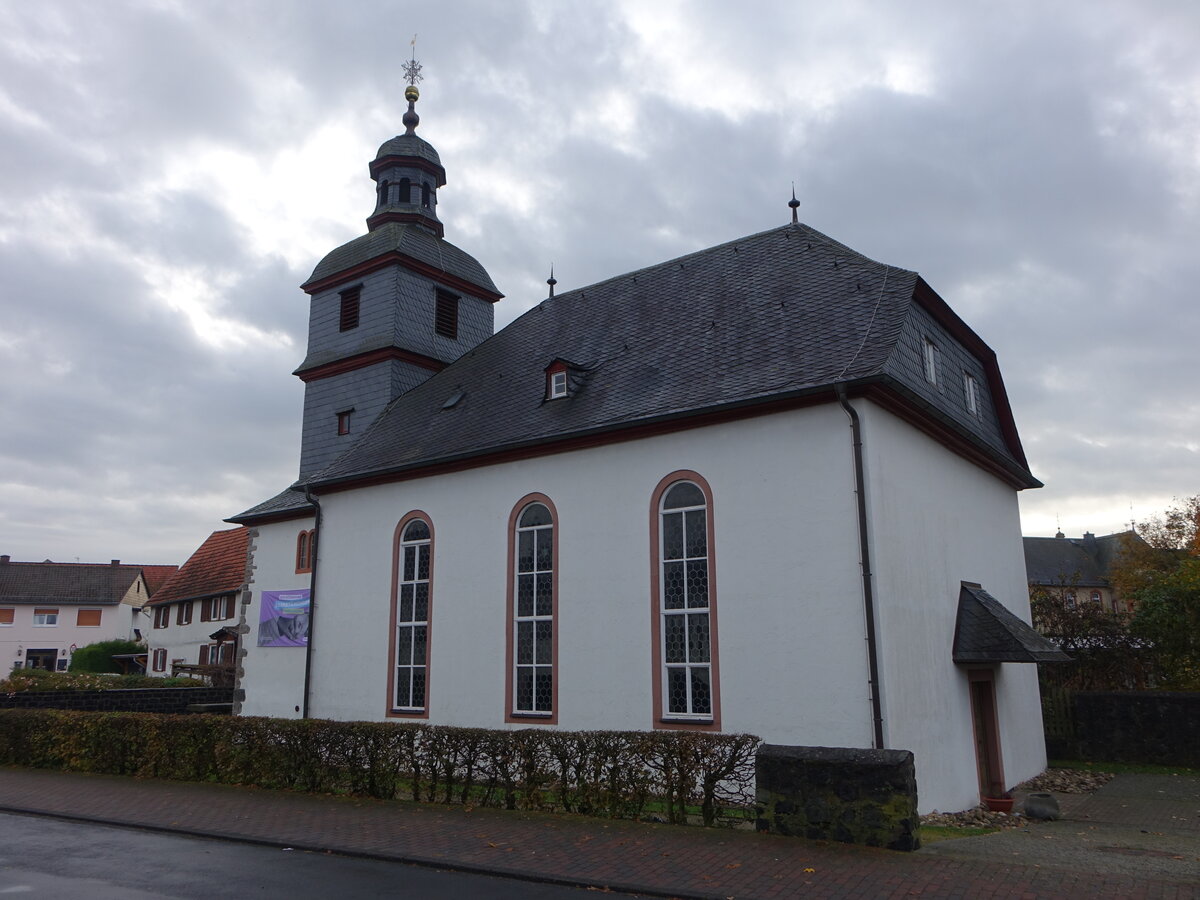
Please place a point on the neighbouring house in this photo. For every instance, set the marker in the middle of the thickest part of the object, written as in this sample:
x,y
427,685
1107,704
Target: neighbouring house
x,y
193,617
49,609
1080,568
767,487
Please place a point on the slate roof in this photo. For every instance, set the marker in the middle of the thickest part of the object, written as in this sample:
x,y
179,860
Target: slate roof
x,y
777,315
410,240
93,584
217,567
987,632
409,145
1083,562
286,504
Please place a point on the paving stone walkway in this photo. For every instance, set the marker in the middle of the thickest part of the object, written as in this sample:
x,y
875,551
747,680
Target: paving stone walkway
x,y
663,860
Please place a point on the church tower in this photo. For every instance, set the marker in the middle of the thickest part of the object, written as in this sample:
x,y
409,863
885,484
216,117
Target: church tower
x,y
391,307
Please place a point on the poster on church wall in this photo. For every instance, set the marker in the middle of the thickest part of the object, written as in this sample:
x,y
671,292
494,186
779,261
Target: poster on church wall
x,y
283,620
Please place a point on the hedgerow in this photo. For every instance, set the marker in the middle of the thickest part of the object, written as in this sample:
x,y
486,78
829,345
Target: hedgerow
x,y
678,776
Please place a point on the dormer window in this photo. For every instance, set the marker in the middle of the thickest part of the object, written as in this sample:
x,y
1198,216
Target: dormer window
x,y
557,381
929,353
348,314
971,390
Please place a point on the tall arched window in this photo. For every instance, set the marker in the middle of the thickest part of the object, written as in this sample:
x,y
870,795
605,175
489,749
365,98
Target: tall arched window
x,y
532,609
404,191
410,616
304,542
383,192
426,193
685,633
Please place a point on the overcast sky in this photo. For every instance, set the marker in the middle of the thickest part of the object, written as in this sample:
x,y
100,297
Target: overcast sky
x,y
170,172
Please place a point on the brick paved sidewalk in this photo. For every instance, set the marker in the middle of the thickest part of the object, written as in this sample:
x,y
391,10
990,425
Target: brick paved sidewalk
x,y
628,856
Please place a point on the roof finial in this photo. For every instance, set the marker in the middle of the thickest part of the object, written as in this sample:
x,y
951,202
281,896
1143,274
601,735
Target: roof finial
x,y
552,281
412,73
794,204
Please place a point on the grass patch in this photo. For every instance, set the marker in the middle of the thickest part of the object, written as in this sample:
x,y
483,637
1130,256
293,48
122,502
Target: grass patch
x,y
1119,768
931,834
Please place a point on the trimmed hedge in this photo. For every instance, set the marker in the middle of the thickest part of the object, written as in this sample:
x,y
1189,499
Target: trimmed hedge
x,y
617,774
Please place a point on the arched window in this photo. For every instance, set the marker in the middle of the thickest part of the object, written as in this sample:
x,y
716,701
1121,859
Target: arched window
x,y
304,541
532,609
426,193
404,191
410,616
685,633
383,192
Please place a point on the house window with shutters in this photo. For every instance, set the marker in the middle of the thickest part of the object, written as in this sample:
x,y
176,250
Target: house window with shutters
x,y
684,605
183,615
160,660
410,615
216,609
162,616
532,651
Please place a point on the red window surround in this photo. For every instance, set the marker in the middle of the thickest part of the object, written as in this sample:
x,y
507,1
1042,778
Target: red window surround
x,y
656,626
513,517
304,546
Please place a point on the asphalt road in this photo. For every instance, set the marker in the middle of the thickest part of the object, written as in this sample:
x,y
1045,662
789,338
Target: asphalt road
x,y
54,858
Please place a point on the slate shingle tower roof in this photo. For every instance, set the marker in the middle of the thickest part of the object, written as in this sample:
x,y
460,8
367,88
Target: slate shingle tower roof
x,y
776,318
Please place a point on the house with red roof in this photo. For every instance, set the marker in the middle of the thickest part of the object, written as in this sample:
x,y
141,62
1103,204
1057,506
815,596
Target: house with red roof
x,y
50,609
193,616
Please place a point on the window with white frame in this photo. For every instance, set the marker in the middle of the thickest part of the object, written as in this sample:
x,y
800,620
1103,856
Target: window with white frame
x,y
929,355
162,616
412,617
160,660
558,384
684,605
217,609
44,618
533,613
971,391
183,615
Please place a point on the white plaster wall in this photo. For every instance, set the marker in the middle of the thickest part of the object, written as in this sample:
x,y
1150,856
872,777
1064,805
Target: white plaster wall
x,y
117,621
936,521
273,677
792,654
182,642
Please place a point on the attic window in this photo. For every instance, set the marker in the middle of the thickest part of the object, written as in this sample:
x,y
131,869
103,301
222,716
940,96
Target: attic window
x,y
929,354
445,319
558,384
348,316
971,390
343,421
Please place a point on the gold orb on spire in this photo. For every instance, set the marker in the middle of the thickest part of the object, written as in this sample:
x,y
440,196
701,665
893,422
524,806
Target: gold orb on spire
x,y
411,93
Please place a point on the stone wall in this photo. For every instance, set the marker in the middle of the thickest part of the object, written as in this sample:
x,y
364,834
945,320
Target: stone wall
x,y
853,796
154,700
1138,726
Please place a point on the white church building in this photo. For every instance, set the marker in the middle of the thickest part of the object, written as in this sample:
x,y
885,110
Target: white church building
x,y
768,487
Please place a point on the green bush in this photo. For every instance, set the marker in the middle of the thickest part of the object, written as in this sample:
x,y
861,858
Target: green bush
x,y
682,776
42,680
99,657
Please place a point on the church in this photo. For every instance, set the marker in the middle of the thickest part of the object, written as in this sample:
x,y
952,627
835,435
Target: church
x,y
767,487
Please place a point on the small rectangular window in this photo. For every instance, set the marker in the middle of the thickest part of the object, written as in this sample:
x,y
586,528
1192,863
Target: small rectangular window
x,y
558,385
45,618
343,421
445,320
971,389
88,618
348,318
930,357
6,616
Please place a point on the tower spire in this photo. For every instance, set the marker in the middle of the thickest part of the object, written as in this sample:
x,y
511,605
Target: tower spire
x,y
412,74
794,204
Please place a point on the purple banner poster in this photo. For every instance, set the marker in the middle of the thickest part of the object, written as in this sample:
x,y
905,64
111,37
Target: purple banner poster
x,y
283,621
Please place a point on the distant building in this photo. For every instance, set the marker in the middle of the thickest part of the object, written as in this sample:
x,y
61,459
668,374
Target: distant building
x,y
193,618
1081,568
49,609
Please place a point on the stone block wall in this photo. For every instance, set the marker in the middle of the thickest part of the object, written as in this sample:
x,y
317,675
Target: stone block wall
x,y
152,700
831,793
1159,727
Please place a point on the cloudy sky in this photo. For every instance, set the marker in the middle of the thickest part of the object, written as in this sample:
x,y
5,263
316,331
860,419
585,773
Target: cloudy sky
x,y
170,172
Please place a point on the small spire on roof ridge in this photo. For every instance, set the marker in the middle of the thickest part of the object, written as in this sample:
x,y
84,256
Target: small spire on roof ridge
x,y
794,204
412,73
552,281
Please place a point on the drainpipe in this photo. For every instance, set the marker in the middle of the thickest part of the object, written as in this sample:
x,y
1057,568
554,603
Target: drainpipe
x,y
312,600
864,550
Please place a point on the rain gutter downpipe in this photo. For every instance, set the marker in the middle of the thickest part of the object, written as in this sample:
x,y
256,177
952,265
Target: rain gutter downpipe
x,y
864,549
312,599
